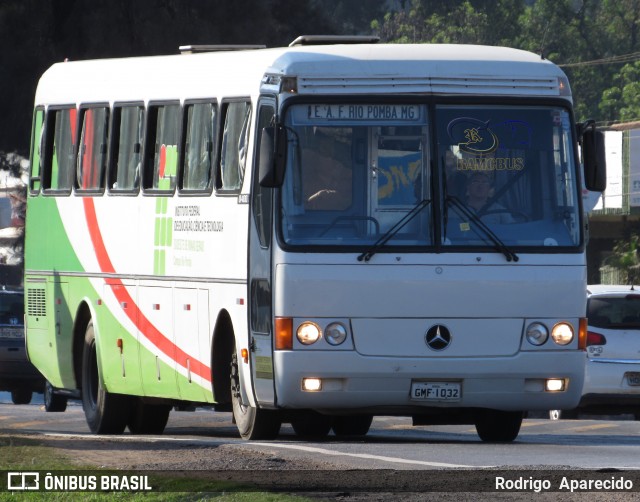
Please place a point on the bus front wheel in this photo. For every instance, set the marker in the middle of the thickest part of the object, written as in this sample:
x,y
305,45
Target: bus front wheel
x,y
148,418
252,422
355,425
106,413
311,424
498,426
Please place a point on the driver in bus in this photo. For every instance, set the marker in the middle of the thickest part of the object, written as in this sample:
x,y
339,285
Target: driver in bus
x,y
479,190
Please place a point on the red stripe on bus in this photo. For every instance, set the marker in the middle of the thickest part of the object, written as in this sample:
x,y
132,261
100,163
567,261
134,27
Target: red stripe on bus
x,y
147,329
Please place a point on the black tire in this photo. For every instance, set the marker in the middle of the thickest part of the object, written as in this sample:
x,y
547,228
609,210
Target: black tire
x,y
53,402
356,425
312,425
21,396
252,422
106,413
498,426
148,418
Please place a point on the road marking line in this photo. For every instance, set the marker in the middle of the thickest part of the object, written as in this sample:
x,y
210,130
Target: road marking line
x,y
24,425
589,427
312,449
309,449
534,424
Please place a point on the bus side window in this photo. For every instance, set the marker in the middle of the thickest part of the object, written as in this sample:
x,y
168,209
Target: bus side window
x,y
36,149
161,148
92,154
200,125
60,149
234,148
127,135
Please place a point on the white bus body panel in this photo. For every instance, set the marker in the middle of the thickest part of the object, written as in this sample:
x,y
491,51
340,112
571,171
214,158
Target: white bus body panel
x,y
390,306
339,69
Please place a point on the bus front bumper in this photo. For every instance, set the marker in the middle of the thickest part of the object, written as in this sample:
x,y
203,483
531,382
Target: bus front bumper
x,y
348,381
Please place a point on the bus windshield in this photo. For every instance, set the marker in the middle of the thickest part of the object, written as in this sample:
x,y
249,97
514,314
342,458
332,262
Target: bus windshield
x,y
489,173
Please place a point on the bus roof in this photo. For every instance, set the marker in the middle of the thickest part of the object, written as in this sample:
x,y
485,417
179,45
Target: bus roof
x,y
319,69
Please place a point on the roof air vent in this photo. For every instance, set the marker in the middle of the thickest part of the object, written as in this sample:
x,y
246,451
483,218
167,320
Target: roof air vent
x,y
334,39
192,49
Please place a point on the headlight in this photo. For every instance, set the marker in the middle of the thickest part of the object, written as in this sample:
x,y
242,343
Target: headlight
x,y
335,333
308,333
537,333
562,333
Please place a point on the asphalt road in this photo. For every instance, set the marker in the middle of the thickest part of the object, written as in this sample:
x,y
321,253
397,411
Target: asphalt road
x,y
392,443
395,461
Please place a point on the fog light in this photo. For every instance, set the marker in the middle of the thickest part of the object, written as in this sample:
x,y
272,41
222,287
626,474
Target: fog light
x,y
562,333
554,385
311,384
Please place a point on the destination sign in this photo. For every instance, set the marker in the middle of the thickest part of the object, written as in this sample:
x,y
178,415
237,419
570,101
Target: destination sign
x,y
365,112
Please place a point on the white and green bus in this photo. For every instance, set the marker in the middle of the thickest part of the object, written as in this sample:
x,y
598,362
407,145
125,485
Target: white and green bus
x,y
313,235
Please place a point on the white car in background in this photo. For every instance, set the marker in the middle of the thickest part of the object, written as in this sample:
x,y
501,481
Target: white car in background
x,y
612,370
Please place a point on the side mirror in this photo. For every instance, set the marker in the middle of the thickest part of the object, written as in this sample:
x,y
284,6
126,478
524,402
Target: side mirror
x,y
273,155
593,157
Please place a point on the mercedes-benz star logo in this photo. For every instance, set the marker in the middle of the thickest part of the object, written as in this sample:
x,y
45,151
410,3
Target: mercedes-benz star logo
x,y
438,337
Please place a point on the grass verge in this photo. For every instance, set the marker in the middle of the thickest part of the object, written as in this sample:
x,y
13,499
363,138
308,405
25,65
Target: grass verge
x,y
19,454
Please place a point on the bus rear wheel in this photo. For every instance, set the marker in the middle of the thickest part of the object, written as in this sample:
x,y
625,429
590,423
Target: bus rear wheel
x,y
21,396
106,413
498,426
252,422
53,402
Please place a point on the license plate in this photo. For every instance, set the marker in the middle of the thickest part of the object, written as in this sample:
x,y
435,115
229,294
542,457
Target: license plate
x,y
436,391
633,379
12,333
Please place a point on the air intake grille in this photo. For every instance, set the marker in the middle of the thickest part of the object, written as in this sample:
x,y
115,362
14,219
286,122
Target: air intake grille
x,y
36,304
471,85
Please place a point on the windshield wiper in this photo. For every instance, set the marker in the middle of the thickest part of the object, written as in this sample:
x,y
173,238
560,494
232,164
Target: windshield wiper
x,y
388,235
498,244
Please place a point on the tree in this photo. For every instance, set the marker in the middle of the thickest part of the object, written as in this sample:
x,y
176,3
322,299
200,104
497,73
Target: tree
x,y
467,21
35,34
569,32
621,22
622,101
348,17
626,258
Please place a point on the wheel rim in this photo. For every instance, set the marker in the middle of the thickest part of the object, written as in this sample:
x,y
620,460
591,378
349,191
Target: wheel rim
x,y
236,396
48,394
93,377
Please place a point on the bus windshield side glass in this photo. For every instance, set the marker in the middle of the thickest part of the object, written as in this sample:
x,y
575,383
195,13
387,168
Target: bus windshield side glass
x,y
512,168
355,170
